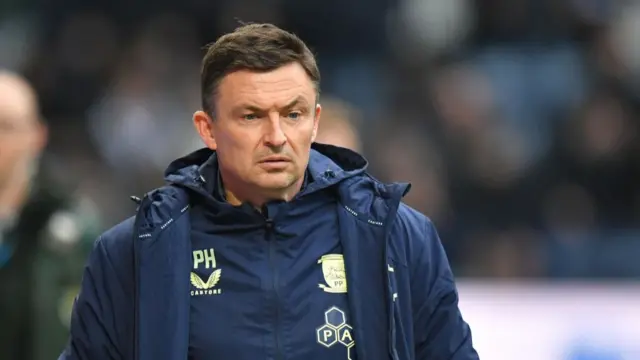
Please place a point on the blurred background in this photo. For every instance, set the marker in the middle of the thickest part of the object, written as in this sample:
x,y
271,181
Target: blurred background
x,y
516,121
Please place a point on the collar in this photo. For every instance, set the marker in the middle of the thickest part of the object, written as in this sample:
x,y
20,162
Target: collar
x,y
210,171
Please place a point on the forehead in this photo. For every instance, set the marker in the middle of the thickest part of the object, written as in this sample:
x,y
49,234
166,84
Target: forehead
x,y
266,89
17,101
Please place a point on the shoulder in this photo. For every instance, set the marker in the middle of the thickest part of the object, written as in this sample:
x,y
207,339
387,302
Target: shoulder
x,y
365,195
112,256
410,219
116,240
413,237
156,210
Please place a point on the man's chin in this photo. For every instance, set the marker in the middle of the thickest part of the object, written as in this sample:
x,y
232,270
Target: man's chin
x,y
276,181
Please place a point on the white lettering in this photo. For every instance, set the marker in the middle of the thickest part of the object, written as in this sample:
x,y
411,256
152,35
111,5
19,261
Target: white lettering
x,y
210,259
327,335
206,257
346,334
198,258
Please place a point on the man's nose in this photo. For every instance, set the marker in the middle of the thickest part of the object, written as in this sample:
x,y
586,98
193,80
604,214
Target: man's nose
x,y
275,136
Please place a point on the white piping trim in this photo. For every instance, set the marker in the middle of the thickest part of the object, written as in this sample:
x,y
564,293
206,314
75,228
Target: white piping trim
x,y
372,222
148,235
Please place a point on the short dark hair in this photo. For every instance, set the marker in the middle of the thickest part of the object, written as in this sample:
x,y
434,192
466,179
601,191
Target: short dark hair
x,y
253,47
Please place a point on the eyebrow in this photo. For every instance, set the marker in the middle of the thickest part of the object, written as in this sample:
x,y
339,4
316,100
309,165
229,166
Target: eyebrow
x,y
296,101
293,103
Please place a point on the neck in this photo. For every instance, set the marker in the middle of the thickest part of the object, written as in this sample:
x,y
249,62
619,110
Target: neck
x,y
13,194
237,195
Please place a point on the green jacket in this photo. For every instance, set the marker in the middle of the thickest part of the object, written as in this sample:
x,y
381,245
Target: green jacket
x,y
49,243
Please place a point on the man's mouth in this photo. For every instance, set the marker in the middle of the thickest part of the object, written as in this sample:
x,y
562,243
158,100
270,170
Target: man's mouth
x,y
275,159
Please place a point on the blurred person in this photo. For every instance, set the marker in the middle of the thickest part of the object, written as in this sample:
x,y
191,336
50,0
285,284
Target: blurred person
x,y
45,233
487,162
597,149
589,208
133,125
339,124
415,157
247,253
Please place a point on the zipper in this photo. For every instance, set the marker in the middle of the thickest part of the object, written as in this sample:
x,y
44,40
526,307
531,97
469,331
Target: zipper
x,y
136,271
391,287
276,279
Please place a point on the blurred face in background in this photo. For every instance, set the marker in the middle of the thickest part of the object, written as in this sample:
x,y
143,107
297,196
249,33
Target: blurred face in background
x,y
338,125
22,135
341,135
262,129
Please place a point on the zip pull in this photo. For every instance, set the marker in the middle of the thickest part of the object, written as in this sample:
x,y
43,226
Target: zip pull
x,y
269,224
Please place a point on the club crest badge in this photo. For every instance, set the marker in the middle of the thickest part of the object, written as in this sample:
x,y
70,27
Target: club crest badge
x,y
334,273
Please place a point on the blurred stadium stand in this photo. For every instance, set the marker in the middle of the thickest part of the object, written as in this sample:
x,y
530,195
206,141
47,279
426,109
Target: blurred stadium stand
x,y
516,121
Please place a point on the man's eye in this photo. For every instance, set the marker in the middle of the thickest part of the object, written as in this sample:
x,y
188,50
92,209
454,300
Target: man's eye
x,y
249,117
294,115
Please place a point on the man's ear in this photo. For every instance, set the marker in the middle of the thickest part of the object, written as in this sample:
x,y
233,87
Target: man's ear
x,y
316,122
202,122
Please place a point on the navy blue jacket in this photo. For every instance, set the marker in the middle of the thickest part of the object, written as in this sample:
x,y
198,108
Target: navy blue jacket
x,y
134,301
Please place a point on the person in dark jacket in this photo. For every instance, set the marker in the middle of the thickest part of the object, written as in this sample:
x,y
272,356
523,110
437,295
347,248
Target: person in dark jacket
x,y
265,244
46,232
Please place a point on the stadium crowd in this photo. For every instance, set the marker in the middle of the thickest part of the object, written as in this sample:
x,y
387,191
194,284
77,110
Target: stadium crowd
x,y
516,121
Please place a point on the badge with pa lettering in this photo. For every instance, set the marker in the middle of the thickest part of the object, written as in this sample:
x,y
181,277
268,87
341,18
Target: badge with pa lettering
x,y
336,331
334,273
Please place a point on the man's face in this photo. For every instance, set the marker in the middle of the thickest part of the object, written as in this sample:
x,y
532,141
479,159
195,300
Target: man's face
x,y
263,127
20,131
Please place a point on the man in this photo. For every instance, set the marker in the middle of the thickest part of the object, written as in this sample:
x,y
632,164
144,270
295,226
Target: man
x,y
264,245
45,234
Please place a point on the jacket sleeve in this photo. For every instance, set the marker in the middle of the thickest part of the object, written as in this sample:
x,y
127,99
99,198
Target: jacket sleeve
x,y
440,331
102,317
